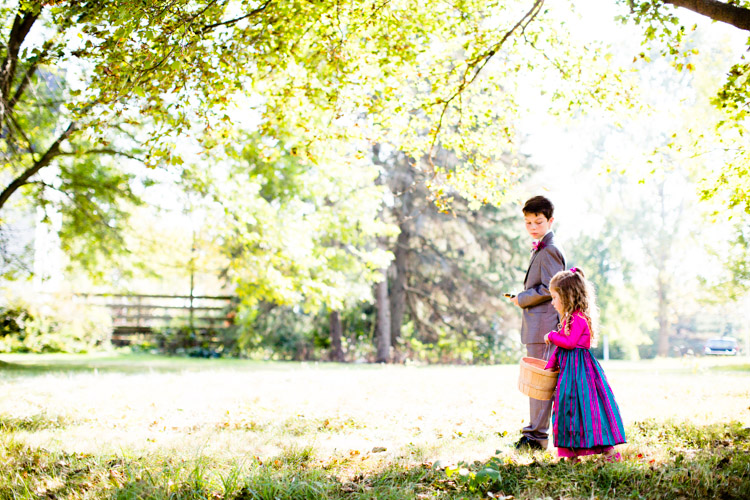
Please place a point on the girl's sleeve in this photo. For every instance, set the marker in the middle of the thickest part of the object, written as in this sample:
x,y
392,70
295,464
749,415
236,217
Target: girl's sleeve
x,y
569,341
552,363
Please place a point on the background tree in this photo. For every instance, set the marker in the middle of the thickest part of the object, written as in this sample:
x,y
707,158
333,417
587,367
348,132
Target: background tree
x,y
645,232
450,268
297,234
665,29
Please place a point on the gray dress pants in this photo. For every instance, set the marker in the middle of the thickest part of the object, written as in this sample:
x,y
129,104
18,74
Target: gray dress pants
x,y
539,410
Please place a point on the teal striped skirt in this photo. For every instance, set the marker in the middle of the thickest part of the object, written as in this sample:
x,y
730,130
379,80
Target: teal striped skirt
x,y
585,415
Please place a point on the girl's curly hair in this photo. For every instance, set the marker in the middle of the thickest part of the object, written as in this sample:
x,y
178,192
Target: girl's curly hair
x,y
576,295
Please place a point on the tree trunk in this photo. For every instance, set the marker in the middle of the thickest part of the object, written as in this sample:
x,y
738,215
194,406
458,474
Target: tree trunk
x,y
665,244
663,341
384,321
337,354
398,287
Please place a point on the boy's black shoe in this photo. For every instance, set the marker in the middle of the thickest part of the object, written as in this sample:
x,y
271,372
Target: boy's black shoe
x,y
526,443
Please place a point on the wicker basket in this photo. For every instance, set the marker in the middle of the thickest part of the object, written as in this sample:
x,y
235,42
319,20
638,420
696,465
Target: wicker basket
x,y
535,381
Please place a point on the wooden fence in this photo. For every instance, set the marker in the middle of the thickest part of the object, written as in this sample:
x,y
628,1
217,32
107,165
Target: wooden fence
x,y
192,319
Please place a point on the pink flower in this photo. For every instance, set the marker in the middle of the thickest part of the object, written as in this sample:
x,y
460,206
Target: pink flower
x,y
538,245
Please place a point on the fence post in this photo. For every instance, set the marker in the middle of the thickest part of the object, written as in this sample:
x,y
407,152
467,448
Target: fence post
x,y
192,325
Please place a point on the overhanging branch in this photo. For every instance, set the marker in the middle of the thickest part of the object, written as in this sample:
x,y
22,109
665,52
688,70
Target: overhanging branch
x,y
96,219
103,151
52,152
230,22
30,71
476,65
735,15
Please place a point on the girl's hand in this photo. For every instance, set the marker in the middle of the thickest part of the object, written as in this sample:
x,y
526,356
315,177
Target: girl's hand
x,y
546,339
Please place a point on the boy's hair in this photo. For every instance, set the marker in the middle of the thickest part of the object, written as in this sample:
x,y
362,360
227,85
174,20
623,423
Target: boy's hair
x,y
576,295
539,205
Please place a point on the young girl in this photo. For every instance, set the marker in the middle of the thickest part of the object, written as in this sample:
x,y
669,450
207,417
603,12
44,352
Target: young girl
x,y
586,419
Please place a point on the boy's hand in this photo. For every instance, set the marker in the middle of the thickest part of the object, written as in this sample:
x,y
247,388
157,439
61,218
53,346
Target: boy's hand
x,y
514,300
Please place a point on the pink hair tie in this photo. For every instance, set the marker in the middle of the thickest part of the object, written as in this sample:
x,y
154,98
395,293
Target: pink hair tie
x,y
573,270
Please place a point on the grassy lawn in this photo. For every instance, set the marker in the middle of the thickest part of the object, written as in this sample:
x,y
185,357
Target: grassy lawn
x,y
127,426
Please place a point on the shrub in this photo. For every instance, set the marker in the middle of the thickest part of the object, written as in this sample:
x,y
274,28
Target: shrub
x,y
51,323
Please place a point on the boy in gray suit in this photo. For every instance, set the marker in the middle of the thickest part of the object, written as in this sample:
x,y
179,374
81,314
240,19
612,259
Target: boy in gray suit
x,y
539,317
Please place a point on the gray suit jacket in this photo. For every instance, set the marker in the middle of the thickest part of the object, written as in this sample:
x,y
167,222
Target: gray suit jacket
x,y
539,317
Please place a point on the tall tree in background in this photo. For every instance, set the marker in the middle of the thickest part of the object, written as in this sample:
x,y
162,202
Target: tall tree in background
x,y
658,233
177,66
337,331
383,306
450,269
649,167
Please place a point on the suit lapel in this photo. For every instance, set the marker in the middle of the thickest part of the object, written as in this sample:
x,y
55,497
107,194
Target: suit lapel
x,y
531,261
547,240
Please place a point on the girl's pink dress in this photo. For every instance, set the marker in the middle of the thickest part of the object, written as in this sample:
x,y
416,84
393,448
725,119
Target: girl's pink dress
x,y
586,419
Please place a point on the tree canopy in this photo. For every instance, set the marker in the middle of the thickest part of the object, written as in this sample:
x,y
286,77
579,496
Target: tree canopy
x,y
82,78
177,67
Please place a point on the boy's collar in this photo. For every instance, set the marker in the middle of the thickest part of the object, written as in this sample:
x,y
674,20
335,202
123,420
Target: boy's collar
x,y
545,235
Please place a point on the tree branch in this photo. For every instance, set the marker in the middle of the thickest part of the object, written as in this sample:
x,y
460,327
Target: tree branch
x,y
477,65
434,304
21,28
420,323
237,19
103,151
735,15
22,86
29,74
13,123
94,218
202,31
54,150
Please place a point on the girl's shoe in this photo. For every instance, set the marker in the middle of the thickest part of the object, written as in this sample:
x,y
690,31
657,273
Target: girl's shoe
x,y
613,457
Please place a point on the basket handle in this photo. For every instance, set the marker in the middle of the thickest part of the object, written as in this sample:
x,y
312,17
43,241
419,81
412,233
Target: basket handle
x,y
547,351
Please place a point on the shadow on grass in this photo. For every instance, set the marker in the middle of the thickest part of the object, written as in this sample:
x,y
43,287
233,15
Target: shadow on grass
x,y
138,363
128,364
701,462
